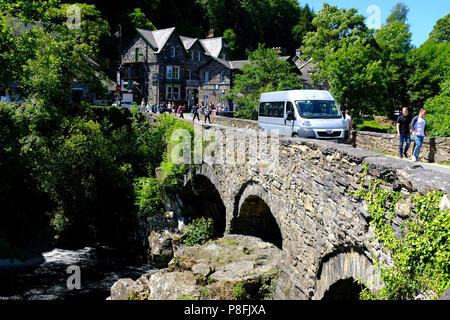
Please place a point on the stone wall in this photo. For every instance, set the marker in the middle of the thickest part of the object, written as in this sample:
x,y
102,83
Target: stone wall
x,y
307,193
326,235
433,149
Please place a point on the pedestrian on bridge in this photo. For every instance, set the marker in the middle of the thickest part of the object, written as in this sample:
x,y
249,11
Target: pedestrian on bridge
x,y
404,132
195,112
419,130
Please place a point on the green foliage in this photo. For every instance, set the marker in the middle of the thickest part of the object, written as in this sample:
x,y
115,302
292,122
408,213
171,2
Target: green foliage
x,y
200,231
139,20
398,13
438,112
304,24
254,21
149,191
238,291
374,126
266,72
420,253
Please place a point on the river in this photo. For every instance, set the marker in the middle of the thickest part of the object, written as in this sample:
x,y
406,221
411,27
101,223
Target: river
x,y
45,276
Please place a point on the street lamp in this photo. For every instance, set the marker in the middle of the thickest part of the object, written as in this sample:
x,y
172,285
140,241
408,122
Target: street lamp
x,y
118,34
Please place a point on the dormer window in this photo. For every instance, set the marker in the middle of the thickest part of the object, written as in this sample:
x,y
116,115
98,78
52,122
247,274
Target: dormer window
x,y
198,55
173,52
193,55
137,55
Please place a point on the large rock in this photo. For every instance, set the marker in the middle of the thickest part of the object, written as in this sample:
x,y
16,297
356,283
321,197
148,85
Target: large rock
x,y
119,290
232,267
161,249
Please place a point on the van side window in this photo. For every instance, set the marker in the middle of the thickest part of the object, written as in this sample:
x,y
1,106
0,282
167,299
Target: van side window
x,y
289,107
271,109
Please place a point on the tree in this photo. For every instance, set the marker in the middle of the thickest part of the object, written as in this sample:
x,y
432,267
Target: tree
x,y
304,24
230,37
398,13
356,77
394,40
441,31
139,20
431,62
438,112
334,26
265,72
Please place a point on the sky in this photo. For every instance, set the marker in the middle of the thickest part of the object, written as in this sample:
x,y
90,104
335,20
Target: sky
x,y
422,15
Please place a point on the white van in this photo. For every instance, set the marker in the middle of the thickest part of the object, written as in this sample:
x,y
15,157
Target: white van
x,y
304,113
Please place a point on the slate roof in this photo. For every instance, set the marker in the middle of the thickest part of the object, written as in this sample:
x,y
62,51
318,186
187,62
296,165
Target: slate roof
x,y
213,46
188,42
156,38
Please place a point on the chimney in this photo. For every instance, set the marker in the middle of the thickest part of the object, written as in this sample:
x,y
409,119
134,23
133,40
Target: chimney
x,y
210,33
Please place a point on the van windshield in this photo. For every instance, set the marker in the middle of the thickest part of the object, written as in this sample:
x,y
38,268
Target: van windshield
x,y
317,109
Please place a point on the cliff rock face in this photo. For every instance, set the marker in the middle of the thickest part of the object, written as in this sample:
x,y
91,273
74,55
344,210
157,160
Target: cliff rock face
x,y
232,267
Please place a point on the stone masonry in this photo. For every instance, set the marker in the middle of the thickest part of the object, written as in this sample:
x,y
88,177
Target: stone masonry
x,y
325,232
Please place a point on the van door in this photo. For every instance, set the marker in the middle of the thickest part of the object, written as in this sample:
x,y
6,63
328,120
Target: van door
x,y
288,124
271,116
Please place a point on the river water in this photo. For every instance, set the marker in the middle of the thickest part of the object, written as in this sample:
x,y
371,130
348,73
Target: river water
x,y
45,276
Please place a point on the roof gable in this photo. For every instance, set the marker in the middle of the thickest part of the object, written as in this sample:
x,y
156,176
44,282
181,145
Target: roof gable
x,y
213,46
157,39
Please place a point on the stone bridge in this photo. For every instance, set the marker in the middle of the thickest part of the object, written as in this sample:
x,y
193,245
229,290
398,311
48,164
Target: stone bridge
x,y
300,202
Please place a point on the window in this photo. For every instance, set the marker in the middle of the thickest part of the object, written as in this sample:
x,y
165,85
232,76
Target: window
x,y
173,72
193,55
137,55
271,109
289,107
173,92
129,54
188,74
206,77
198,55
224,56
222,77
173,52
315,109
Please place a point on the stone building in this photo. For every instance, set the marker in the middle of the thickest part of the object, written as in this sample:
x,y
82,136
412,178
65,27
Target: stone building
x,y
162,66
306,69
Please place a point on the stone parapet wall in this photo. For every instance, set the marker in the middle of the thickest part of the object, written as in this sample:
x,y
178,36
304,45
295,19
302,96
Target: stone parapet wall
x,y
324,230
326,233
435,150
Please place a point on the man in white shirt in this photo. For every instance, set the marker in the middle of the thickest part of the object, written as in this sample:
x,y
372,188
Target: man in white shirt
x,y
348,119
419,129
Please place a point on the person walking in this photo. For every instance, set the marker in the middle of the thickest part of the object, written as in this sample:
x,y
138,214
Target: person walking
x,y
348,120
181,111
403,132
207,113
419,130
195,112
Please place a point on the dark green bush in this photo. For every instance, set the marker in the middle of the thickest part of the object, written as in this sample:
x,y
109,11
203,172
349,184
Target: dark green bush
x,y
200,231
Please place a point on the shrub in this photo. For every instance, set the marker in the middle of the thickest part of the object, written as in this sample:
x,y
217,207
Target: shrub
x,y
200,231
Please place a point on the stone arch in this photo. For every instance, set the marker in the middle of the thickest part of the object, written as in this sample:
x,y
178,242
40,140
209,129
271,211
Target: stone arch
x,y
338,272
201,195
253,214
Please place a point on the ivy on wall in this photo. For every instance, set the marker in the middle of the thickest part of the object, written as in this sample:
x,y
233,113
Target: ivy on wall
x,y
420,254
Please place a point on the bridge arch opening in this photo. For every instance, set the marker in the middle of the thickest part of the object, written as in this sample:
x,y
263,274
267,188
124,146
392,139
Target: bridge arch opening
x,y
256,219
200,198
344,289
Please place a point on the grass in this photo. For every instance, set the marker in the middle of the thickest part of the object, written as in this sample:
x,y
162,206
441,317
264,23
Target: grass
x,y
374,126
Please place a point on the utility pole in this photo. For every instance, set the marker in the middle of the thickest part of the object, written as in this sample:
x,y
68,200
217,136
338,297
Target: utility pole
x,y
118,34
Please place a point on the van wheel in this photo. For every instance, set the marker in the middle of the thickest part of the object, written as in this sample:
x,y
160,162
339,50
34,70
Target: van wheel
x,y
294,135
